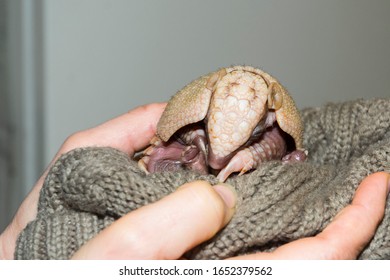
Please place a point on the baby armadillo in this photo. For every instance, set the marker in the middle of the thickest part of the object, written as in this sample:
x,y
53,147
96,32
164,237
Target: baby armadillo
x,y
228,121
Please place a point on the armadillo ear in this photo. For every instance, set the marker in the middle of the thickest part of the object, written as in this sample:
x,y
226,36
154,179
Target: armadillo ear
x,y
275,96
287,113
212,81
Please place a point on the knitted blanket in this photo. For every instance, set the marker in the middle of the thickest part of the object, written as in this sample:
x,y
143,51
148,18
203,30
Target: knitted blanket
x,y
89,188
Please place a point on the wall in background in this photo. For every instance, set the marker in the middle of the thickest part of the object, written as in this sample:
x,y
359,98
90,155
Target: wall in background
x,y
21,97
73,64
104,57
4,121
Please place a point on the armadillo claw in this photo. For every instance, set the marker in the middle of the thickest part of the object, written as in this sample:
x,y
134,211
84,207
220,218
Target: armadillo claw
x,y
242,162
148,151
144,161
155,141
142,164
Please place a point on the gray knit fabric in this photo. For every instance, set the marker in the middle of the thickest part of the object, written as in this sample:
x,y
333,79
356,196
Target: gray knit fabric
x,y
88,188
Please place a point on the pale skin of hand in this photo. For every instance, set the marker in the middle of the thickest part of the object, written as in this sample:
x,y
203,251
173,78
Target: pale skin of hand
x,y
197,210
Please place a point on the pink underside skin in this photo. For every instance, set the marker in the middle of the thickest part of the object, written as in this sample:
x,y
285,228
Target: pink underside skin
x,y
189,150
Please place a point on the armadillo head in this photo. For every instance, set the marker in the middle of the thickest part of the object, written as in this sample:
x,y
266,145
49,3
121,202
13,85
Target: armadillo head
x,y
237,106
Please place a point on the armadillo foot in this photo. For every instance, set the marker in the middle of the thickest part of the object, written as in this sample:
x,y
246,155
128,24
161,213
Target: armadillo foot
x,y
270,146
241,162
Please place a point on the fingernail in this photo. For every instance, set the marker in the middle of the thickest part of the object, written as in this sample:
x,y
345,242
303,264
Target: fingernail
x,y
388,183
228,194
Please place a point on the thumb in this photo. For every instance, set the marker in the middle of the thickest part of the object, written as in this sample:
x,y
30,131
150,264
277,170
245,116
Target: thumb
x,y
167,228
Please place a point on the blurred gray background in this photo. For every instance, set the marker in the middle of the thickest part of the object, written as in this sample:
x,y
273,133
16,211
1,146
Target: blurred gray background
x,y
67,65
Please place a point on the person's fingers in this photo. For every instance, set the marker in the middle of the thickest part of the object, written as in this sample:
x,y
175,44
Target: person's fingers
x,y
167,228
350,231
354,227
129,132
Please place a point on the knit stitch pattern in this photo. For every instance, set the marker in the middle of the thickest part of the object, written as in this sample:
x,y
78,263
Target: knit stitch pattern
x,y
89,188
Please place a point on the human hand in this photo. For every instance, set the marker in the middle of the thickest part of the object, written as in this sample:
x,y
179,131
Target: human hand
x,y
350,231
168,228
196,211
126,133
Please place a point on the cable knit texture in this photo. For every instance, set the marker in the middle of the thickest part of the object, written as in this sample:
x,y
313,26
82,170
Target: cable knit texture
x,y
89,188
